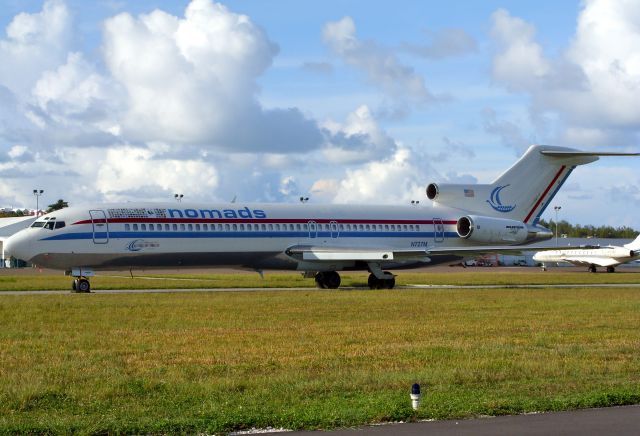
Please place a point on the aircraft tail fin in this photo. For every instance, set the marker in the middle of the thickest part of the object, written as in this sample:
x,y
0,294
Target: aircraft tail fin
x,y
635,245
524,191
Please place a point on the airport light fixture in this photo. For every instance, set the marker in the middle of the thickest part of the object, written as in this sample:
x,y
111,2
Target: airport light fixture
x,y
178,197
557,209
38,193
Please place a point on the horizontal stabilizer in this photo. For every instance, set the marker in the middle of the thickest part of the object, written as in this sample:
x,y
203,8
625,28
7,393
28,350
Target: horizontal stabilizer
x,y
562,153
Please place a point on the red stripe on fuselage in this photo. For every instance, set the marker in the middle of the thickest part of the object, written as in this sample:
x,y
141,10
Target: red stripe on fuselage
x,y
544,194
262,220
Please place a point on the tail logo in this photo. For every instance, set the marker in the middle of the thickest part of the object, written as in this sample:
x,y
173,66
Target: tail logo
x,y
495,202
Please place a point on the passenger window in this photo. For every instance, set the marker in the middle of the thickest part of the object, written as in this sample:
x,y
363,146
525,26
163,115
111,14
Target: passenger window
x,y
127,227
205,227
197,227
242,227
264,227
167,227
183,227
270,226
135,227
150,227
143,227
175,227
298,227
278,227
235,227
190,227
227,227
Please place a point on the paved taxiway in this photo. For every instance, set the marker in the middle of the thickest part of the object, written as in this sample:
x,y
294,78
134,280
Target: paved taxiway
x,y
621,421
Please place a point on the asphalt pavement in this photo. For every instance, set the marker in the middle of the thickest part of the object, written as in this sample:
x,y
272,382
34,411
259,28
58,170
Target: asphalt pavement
x,y
619,421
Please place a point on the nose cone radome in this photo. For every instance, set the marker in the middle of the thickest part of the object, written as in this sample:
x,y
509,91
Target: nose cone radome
x,y
18,246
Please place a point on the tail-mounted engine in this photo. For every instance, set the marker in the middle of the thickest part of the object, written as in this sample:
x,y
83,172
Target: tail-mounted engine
x,y
488,230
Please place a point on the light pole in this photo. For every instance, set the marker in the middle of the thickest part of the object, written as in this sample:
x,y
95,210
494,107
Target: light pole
x,y
178,197
557,208
38,193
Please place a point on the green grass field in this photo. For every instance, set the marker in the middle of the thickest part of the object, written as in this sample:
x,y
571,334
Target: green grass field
x,y
457,276
214,362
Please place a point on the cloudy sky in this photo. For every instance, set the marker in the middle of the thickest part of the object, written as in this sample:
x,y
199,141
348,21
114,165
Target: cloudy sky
x,y
353,101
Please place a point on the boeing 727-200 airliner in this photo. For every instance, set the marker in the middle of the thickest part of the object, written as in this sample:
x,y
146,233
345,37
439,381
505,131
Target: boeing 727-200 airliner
x,y
319,240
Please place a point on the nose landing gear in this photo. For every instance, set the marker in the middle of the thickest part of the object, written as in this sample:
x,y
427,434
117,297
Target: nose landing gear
x,y
80,282
81,285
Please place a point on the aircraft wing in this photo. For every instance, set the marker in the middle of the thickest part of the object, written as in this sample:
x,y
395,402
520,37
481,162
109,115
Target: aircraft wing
x,y
386,254
366,254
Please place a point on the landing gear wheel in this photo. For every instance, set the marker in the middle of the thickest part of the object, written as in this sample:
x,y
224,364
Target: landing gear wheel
x,y
611,269
388,282
592,268
82,285
328,280
320,281
74,285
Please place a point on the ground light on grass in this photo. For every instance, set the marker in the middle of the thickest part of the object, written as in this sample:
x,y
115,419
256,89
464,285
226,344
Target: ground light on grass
x,y
215,362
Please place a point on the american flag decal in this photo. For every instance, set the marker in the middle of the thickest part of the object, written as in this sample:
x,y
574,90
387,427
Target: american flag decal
x,y
469,193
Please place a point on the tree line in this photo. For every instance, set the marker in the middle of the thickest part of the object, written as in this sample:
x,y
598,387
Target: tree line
x,y
578,231
52,207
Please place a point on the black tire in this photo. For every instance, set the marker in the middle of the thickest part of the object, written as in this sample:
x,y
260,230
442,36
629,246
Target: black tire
x,y
83,286
372,282
592,268
332,280
611,269
390,283
320,281
74,285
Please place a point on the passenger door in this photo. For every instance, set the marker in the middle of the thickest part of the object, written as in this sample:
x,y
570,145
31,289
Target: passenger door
x,y
100,226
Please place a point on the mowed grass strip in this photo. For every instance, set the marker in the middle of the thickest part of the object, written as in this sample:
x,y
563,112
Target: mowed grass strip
x,y
162,363
457,276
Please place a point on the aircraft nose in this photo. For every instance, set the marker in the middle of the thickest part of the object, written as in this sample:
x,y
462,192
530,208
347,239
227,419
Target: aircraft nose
x,y
17,246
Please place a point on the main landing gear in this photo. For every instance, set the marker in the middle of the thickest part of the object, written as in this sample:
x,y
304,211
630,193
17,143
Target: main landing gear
x,y
327,280
388,282
331,280
592,268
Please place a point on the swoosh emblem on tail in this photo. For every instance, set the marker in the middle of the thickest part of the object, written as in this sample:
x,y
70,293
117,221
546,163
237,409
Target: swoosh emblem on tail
x,y
495,202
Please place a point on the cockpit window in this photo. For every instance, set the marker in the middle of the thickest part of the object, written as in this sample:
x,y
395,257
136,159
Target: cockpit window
x,y
60,224
49,225
37,224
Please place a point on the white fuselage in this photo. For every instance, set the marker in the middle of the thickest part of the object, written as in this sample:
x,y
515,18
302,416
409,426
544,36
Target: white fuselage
x,y
252,236
605,256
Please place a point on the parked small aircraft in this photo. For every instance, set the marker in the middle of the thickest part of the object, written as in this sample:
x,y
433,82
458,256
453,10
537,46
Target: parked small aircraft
x,y
592,257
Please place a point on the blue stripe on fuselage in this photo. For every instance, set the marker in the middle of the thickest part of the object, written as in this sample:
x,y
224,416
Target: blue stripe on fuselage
x,y
246,234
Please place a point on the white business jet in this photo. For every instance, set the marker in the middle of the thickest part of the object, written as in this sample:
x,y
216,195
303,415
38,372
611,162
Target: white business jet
x,y
592,257
318,240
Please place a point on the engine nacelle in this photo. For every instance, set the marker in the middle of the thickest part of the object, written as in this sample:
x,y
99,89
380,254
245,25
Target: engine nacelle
x,y
488,230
